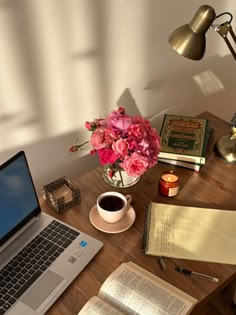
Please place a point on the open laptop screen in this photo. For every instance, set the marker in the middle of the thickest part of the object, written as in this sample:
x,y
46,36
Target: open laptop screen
x,y
18,199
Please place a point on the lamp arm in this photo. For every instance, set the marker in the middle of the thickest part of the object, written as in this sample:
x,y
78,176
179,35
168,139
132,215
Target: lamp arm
x,y
233,127
223,30
232,34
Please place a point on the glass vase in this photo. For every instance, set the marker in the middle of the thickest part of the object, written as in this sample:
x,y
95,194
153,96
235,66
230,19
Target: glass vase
x,y
118,177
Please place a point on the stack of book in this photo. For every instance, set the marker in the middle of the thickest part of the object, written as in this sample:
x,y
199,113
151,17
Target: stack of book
x,y
185,141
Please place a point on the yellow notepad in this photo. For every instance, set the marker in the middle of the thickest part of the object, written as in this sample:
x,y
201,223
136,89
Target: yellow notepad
x,y
190,233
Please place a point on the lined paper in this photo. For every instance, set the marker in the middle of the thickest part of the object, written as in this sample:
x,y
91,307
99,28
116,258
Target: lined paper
x,y
192,233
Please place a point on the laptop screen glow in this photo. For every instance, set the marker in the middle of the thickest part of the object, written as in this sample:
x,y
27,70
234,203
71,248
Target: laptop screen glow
x,y
18,200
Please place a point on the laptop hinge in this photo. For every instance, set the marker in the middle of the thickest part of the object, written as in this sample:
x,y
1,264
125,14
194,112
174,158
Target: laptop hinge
x,y
17,234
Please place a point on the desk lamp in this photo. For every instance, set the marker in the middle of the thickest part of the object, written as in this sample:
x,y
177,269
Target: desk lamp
x,y
189,41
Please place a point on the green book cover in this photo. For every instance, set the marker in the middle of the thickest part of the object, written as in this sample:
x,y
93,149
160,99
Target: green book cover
x,y
184,138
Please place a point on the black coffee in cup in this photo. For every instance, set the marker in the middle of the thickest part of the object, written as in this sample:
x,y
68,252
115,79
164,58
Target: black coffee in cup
x,y
111,203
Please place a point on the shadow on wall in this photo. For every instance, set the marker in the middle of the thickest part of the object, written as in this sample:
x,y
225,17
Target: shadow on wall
x,y
204,85
50,159
156,120
128,101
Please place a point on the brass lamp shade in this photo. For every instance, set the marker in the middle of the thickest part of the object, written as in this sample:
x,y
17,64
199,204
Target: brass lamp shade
x,y
187,43
189,40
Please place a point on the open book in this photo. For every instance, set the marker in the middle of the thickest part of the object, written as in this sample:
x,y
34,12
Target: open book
x,y
131,289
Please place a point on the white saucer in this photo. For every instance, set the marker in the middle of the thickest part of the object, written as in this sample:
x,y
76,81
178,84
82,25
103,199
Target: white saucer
x,y
121,226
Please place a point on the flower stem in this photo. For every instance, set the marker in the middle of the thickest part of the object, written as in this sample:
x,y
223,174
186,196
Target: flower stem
x,y
121,178
82,144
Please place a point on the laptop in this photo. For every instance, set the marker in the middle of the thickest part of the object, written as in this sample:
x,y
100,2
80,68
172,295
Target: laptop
x,y
39,255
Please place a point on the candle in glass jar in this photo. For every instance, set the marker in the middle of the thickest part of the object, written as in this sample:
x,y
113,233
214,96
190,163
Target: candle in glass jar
x,y
169,183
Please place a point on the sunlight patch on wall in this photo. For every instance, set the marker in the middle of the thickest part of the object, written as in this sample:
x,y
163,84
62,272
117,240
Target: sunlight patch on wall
x,y
208,82
16,112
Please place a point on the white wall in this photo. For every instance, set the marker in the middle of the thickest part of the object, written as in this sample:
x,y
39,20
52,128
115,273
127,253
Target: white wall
x,y
67,61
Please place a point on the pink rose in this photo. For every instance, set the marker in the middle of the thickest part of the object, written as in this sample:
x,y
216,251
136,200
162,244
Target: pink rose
x,y
136,131
116,113
121,110
109,136
107,156
132,144
135,165
93,152
121,147
111,173
100,122
73,149
90,125
142,121
97,139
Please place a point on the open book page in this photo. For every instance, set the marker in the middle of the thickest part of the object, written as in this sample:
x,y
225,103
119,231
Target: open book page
x,y
134,290
96,306
192,233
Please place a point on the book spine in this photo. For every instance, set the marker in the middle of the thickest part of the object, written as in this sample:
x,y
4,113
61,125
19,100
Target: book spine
x,y
163,124
205,140
147,222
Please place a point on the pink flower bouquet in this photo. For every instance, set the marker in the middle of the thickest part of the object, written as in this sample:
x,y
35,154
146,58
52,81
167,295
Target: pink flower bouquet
x,y
123,142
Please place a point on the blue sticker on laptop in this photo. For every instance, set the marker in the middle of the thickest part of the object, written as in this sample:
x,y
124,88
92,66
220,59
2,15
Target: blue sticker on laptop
x,y
83,243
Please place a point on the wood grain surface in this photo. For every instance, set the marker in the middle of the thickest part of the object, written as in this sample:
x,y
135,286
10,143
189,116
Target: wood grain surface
x,y
213,187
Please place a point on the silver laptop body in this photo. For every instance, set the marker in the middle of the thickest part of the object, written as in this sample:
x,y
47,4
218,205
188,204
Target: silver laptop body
x,y
21,220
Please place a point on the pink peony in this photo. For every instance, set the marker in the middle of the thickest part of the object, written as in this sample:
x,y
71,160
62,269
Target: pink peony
x,y
121,122
107,156
135,165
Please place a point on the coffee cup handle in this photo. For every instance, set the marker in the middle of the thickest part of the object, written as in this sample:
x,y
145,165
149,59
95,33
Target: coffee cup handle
x,y
129,199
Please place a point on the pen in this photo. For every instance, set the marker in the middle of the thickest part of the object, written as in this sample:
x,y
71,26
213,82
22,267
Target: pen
x,y
161,262
196,274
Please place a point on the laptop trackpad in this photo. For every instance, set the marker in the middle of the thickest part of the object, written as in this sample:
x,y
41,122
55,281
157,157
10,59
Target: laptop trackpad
x,y
42,291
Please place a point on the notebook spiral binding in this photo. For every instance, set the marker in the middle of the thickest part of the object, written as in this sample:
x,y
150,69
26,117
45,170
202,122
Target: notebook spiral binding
x,y
147,222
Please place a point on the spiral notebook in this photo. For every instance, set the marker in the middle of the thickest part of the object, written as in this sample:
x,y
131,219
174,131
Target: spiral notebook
x,y
190,233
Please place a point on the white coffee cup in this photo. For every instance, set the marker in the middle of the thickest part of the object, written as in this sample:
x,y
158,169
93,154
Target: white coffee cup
x,y
113,205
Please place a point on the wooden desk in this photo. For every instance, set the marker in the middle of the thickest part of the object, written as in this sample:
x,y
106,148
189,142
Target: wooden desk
x,y
214,186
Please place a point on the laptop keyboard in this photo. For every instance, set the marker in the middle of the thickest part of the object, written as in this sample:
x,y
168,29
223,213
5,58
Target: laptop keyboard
x,y
19,274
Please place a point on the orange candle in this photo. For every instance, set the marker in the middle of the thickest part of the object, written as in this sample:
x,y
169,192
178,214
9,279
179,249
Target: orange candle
x,y
169,184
